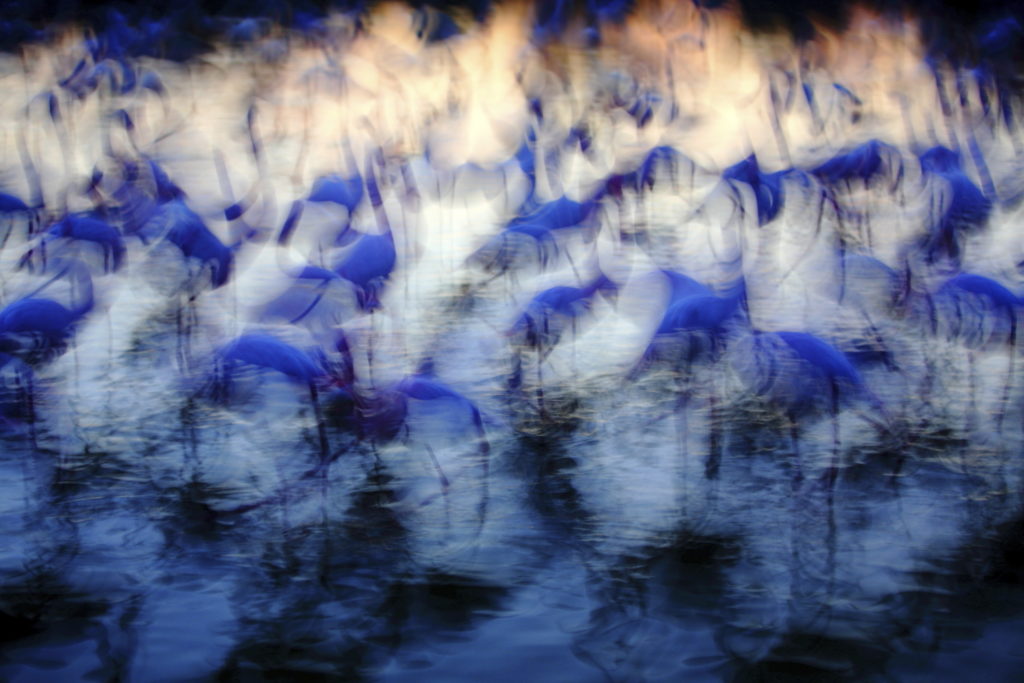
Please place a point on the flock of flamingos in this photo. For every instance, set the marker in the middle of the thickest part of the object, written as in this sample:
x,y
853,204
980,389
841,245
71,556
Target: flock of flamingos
x,y
615,265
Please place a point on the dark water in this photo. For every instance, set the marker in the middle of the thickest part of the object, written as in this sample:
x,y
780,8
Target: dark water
x,y
471,494
605,553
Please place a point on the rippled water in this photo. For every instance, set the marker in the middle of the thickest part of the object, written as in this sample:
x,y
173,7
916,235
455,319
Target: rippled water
x,y
697,517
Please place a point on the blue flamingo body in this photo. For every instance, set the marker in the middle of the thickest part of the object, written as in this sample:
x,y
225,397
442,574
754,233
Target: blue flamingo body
x,y
11,204
92,229
186,230
368,265
663,155
694,315
538,321
311,272
985,287
38,315
557,214
705,313
823,357
682,286
864,163
767,187
977,299
48,323
347,192
265,351
968,208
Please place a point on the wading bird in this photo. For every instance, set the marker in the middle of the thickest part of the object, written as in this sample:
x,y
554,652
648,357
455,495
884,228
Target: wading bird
x,y
546,318
803,374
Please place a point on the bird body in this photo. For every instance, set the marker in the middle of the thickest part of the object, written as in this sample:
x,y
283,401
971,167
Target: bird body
x,y
864,162
799,372
43,316
682,286
557,214
48,322
664,155
90,228
538,321
183,228
698,312
967,208
767,187
367,265
11,204
984,287
973,304
265,351
822,357
347,192
311,272
694,315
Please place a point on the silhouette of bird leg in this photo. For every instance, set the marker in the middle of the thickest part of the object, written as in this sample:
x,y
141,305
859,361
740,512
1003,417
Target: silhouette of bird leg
x,y
682,427
515,377
7,233
35,188
714,460
321,425
829,480
682,403
182,354
531,328
971,425
369,351
572,266
1005,402
832,471
30,404
798,473
445,485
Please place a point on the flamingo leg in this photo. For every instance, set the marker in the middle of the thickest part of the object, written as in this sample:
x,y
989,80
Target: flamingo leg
x,y
321,426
